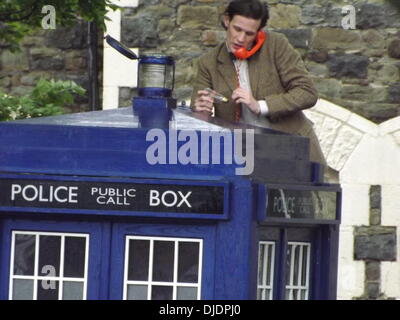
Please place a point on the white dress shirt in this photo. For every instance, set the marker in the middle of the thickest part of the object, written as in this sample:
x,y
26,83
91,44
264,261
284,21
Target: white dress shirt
x,y
242,68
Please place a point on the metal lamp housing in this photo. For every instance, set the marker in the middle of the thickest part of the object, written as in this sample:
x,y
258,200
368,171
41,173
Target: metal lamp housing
x,y
156,76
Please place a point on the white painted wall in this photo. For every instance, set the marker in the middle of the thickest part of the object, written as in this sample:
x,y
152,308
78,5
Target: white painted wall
x,y
364,154
118,71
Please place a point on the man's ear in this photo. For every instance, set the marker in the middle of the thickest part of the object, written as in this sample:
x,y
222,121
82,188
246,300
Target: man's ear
x,y
226,21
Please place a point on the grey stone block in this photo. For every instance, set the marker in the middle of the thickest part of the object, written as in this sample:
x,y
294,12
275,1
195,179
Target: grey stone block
x,y
375,197
373,271
298,38
68,37
394,49
348,65
373,290
375,217
371,16
394,93
140,31
375,243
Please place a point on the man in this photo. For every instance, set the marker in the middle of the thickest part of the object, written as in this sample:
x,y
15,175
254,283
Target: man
x,y
268,89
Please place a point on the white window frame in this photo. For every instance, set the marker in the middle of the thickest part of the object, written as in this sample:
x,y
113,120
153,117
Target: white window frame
x,y
149,283
265,265
299,264
36,278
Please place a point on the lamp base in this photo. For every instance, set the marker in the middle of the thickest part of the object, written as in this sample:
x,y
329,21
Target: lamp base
x,y
153,112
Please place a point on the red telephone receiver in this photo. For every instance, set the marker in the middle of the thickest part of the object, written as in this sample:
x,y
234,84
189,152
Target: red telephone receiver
x,y
242,53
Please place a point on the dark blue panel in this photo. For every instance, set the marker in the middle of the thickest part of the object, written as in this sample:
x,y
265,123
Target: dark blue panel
x,y
98,249
236,258
206,232
98,151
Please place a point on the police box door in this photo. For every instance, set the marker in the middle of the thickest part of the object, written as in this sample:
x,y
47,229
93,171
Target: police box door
x,y
52,260
76,260
297,263
160,261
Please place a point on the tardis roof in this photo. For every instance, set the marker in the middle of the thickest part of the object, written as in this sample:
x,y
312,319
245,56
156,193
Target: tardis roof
x,y
183,119
109,142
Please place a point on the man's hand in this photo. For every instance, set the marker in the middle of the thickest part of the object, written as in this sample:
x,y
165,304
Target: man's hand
x,y
244,96
204,102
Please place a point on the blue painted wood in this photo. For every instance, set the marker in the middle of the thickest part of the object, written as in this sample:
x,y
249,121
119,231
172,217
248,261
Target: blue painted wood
x,y
235,256
96,255
280,273
96,146
4,262
92,151
103,271
261,202
109,145
254,245
332,261
317,272
206,232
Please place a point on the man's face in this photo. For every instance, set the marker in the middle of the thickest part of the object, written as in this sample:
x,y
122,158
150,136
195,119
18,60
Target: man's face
x,y
241,31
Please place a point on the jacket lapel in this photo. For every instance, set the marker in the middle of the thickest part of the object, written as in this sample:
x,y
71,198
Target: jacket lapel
x,y
226,68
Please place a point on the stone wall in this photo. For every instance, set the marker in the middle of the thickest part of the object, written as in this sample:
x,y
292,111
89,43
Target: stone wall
x,y
51,54
358,69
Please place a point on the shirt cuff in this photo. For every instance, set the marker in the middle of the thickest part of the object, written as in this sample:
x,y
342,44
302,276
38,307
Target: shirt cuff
x,y
263,108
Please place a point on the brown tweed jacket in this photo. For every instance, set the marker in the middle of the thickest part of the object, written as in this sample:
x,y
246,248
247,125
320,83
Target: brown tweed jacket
x,y
277,75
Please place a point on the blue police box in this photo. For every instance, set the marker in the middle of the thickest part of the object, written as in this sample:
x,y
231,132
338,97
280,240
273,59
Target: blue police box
x,y
97,205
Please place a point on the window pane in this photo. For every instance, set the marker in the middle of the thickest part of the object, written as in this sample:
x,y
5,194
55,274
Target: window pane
x,y
266,262
161,293
259,294
188,262
47,290
304,267
163,261
297,279
288,262
138,260
261,264
72,290
22,289
269,264
24,255
137,292
296,266
49,255
75,251
186,293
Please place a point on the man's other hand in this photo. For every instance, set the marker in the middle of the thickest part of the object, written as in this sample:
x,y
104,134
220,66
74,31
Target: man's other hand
x,y
244,96
204,102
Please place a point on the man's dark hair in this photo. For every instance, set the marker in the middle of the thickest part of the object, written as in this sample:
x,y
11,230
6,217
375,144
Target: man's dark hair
x,y
253,9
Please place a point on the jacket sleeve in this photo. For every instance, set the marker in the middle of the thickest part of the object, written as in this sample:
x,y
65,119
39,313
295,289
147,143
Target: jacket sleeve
x,y
299,90
202,80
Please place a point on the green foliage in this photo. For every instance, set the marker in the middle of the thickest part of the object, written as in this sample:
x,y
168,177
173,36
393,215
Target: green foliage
x,y
48,98
12,33
19,17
